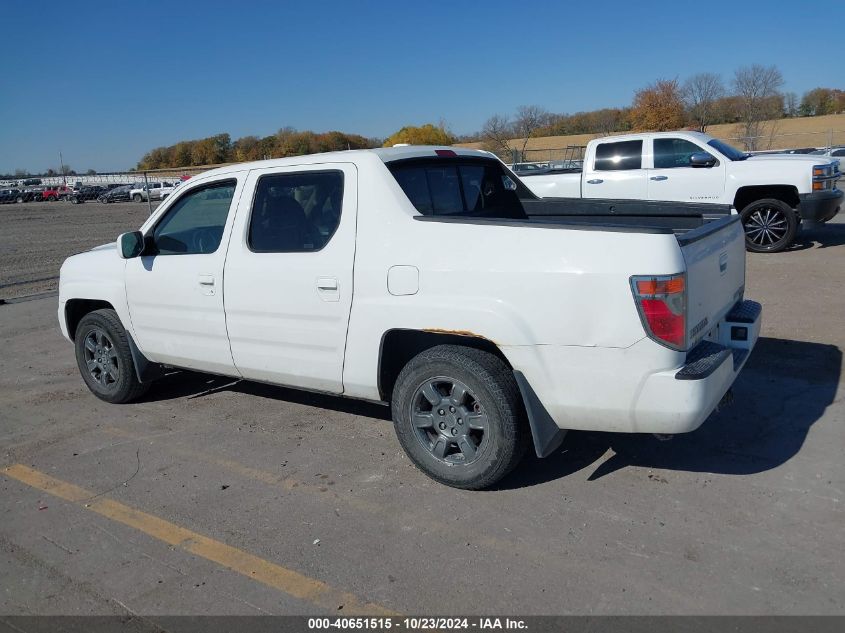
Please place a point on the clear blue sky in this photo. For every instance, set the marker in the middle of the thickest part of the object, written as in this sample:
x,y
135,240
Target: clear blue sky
x,y
106,81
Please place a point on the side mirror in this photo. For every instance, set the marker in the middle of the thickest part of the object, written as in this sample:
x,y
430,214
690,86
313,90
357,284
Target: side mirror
x,y
702,159
130,245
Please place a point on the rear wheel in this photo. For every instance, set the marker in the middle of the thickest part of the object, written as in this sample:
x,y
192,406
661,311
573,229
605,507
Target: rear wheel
x,y
770,225
104,358
458,414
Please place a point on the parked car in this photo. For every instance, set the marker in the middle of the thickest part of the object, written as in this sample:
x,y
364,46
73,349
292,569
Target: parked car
x,y
836,153
521,169
9,195
50,194
116,194
157,190
486,317
772,193
30,194
85,193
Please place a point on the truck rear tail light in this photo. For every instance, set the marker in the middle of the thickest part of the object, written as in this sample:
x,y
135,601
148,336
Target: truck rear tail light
x,y
662,305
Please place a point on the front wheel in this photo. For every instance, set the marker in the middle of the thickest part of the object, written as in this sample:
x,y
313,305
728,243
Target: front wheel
x,y
104,358
137,197
770,225
458,414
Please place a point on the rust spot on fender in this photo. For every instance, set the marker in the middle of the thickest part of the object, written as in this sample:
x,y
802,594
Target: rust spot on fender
x,y
435,330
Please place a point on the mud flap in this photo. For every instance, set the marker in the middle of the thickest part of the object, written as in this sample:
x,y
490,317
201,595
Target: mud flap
x,y
546,434
146,370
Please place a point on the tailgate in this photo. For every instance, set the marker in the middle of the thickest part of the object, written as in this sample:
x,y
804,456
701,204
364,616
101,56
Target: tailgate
x,y
715,261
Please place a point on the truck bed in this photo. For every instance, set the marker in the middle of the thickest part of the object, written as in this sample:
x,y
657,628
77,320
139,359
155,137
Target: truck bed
x,y
679,217
689,221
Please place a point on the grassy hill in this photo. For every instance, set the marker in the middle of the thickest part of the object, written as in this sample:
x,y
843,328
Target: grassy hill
x,y
817,131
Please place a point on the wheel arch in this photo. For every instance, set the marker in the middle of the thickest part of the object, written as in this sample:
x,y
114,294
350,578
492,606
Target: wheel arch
x,y
398,346
785,193
75,309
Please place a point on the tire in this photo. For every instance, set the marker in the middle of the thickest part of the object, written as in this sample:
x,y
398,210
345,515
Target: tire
x,y
469,439
19,199
104,359
770,225
137,197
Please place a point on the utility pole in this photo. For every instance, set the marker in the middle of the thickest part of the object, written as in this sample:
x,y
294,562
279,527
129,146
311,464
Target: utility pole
x,y
62,166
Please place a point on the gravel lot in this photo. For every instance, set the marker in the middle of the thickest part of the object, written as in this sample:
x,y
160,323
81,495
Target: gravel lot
x,y
216,498
36,237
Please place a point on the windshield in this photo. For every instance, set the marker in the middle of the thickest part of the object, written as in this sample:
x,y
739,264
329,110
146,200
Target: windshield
x,y
731,153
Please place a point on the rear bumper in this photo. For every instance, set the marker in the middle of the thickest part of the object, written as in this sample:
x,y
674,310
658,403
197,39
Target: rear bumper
x,y
679,400
819,206
644,388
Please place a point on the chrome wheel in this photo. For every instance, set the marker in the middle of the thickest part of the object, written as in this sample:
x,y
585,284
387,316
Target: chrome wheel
x,y
766,226
101,358
449,421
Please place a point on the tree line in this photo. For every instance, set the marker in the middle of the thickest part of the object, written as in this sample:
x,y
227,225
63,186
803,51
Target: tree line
x,y
221,149
750,99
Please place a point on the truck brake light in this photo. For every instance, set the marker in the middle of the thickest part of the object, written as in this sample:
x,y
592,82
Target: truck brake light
x,y
662,304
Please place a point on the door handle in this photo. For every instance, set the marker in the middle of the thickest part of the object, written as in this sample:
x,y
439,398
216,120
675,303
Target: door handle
x,y
660,178
595,181
327,288
206,282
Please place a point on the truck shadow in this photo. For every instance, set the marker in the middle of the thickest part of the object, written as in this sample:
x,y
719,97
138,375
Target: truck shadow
x,y
188,384
782,391
831,234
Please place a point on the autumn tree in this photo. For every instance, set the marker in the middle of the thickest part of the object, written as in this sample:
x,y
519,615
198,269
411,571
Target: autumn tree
x,y
658,107
820,101
699,94
428,134
758,100
247,148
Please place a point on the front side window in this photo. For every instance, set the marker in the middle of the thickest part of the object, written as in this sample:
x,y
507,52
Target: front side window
x,y
619,156
673,152
295,212
194,224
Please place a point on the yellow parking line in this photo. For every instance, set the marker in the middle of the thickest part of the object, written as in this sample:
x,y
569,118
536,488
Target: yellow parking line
x,y
244,563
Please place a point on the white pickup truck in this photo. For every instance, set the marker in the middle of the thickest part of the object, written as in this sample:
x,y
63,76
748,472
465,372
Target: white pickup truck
x,y
158,190
431,279
773,193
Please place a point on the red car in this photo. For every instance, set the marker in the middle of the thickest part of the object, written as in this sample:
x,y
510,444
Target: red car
x,y
56,193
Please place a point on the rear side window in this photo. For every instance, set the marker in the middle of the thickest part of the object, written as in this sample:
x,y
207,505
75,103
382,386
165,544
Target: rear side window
x,y
295,212
478,188
619,156
673,152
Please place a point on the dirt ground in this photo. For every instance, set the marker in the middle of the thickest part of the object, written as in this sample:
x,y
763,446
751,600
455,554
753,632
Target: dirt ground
x,y
217,497
36,237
